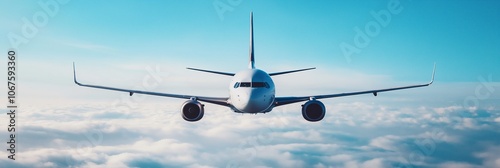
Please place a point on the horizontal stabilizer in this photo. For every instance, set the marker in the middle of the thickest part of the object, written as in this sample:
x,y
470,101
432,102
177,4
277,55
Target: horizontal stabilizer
x,y
292,71
214,72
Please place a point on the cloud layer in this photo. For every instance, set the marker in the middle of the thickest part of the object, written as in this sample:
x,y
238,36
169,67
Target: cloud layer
x,y
353,134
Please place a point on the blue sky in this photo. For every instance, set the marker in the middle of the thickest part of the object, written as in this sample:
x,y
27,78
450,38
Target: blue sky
x,y
121,43
458,36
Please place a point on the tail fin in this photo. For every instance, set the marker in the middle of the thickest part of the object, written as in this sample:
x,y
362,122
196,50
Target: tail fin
x,y
252,60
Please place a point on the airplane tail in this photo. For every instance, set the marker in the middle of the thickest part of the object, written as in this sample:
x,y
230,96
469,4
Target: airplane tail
x,y
251,54
251,64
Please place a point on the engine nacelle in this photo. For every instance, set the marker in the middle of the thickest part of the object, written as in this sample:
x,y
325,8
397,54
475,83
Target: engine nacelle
x,y
192,110
313,110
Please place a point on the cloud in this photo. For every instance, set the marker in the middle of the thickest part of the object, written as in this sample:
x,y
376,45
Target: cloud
x,y
387,142
457,165
490,156
445,110
356,134
373,163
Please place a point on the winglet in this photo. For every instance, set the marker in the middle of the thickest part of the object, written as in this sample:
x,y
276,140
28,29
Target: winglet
x,y
74,75
251,54
433,72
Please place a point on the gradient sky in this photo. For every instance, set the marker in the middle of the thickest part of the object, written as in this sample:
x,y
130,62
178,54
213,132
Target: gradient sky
x,y
116,42
459,36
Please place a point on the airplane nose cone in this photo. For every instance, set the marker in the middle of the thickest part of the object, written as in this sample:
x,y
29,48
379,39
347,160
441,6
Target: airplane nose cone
x,y
256,102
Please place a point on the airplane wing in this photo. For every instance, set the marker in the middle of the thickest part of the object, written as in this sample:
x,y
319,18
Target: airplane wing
x,y
279,101
215,100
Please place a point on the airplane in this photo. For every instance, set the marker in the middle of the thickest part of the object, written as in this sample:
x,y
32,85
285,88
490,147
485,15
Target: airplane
x,y
252,91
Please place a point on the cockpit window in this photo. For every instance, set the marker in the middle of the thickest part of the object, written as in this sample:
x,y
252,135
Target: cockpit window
x,y
251,84
258,84
245,84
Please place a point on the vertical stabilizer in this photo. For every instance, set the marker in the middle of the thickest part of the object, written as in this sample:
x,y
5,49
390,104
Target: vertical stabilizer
x,y
252,60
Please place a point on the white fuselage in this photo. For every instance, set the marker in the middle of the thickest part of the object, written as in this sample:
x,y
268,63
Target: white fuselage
x,y
251,91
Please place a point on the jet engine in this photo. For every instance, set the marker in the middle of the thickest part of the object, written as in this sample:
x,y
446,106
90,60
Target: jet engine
x,y
192,110
313,110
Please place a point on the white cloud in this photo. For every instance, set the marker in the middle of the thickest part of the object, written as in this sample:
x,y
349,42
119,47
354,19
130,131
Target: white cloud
x,y
444,110
490,156
308,135
469,123
340,158
319,165
439,135
457,165
373,163
388,142
153,133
